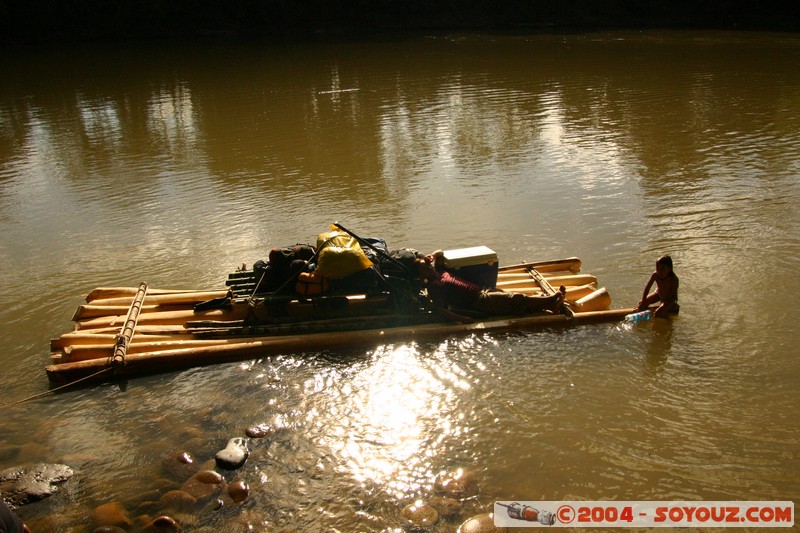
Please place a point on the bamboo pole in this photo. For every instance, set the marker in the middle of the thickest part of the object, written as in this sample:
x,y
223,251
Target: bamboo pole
x,y
81,339
169,318
87,311
571,264
594,301
517,283
577,292
141,329
505,277
513,275
572,281
120,292
126,333
190,297
532,290
573,293
86,352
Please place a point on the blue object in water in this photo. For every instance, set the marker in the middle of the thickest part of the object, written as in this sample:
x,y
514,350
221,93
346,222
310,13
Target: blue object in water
x,y
637,317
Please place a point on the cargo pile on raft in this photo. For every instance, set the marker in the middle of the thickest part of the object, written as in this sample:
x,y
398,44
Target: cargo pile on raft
x,y
344,290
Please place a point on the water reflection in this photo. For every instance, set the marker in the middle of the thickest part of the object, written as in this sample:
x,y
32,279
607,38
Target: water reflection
x,y
171,119
660,347
390,421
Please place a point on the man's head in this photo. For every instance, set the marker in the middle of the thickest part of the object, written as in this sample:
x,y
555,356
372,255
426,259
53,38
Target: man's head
x,y
425,270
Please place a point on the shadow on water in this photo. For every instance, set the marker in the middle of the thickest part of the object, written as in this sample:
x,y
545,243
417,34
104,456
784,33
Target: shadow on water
x,y
660,345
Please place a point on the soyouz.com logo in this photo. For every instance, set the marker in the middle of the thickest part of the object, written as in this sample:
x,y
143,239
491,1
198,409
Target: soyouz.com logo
x,y
644,514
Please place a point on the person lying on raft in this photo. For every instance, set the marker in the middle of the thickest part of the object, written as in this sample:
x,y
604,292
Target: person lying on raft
x,y
666,289
449,291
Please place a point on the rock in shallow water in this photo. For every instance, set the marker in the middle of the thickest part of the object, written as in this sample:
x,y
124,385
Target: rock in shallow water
x,y
180,464
204,485
483,523
420,515
163,523
177,499
238,491
111,514
457,484
21,485
258,432
209,476
447,507
234,455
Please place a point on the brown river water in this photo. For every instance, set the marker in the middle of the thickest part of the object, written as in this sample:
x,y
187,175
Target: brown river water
x,y
174,164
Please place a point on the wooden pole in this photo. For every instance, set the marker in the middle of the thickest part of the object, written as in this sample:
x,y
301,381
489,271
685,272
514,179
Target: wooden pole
x,y
101,293
571,264
164,299
168,318
126,333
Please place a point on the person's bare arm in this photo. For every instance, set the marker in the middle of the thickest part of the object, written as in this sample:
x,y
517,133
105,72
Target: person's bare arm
x,y
643,301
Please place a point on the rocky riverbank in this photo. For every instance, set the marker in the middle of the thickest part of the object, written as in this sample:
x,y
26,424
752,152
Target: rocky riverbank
x,y
208,493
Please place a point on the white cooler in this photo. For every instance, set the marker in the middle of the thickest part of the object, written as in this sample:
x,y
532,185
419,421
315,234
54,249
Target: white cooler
x,y
478,265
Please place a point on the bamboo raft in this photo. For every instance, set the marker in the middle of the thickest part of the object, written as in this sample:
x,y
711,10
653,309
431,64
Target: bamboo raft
x,y
126,331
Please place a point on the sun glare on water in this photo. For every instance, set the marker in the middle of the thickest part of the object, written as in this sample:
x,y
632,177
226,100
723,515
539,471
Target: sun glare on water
x,y
396,420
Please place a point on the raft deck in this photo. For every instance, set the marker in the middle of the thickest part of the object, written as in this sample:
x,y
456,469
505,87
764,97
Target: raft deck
x,y
126,331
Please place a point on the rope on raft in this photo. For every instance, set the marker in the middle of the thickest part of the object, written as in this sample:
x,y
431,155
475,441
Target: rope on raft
x,y
123,340
57,389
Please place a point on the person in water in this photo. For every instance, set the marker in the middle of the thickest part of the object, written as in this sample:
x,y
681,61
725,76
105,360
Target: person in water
x,y
666,289
448,291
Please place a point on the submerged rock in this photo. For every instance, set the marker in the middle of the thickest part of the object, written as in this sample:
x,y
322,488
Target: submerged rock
x,y
111,514
447,507
420,515
204,485
458,484
238,491
177,499
482,523
258,432
234,455
209,476
163,523
180,464
21,485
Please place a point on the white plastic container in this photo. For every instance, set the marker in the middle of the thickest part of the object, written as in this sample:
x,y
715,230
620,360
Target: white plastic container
x,y
638,317
477,264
